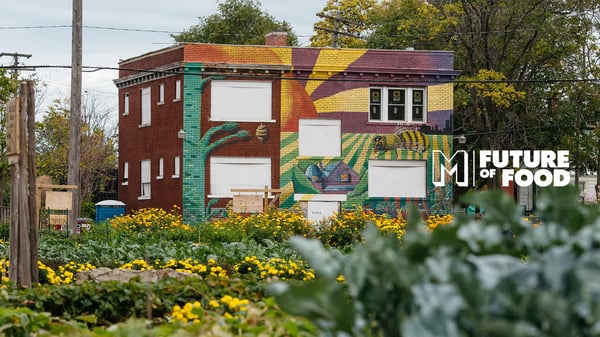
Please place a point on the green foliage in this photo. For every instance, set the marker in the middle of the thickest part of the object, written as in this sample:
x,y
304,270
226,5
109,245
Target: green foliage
x,y
396,24
21,322
224,26
354,20
463,279
98,146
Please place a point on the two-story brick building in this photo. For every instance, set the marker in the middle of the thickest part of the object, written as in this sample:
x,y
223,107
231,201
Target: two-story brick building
x,y
329,127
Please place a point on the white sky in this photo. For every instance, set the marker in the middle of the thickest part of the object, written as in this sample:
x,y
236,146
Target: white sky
x,y
52,46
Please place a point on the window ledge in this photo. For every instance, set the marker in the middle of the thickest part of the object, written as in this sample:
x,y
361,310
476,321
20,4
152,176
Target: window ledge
x,y
160,103
144,125
159,177
125,114
125,183
177,100
175,176
319,157
145,197
243,120
401,123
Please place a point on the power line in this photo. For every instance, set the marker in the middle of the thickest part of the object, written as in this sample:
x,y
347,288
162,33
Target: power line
x,y
403,34
122,29
238,75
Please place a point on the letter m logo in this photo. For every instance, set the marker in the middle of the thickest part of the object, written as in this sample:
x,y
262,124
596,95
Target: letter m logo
x,y
441,162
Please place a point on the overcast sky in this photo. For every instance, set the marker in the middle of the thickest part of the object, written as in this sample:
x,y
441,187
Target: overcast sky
x,y
105,47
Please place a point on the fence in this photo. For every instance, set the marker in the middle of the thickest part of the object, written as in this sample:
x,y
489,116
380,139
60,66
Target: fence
x,y
4,214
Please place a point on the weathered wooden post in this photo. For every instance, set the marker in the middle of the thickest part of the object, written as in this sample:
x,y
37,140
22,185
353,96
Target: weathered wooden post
x,y
23,270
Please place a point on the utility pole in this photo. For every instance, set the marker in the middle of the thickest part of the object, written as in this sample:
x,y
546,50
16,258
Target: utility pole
x,y
15,56
336,27
73,176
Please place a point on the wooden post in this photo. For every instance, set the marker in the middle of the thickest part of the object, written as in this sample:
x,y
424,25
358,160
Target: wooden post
x,y
31,171
23,228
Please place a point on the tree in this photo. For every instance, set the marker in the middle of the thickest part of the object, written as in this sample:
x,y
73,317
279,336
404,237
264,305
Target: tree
x,y
237,22
350,17
7,87
98,146
513,55
399,24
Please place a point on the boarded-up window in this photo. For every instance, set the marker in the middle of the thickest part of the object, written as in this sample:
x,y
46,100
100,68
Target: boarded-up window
x,y
145,107
145,179
320,137
228,173
397,178
241,101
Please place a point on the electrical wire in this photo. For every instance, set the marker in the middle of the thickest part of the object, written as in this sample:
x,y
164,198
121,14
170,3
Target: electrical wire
x,y
308,78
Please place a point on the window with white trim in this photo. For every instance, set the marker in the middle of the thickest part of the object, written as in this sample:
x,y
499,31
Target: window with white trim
x,y
228,173
320,137
177,91
145,169
125,174
177,167
242,101
145,100
125,104
161,93
397,178
388,104
161,165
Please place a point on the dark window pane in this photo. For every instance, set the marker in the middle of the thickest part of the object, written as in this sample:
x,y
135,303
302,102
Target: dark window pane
x,y
375,113
396,96
417,114
396,112
375,95
417,97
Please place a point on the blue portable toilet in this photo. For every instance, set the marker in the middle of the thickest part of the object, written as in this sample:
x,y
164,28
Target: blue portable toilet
x,y
109,209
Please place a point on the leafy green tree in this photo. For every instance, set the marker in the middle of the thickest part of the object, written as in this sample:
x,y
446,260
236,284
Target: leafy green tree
x,y
399,24
98,146
237,22
345,16
7,87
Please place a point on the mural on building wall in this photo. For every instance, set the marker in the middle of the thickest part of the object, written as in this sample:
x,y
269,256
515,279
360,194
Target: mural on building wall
x,y
329,92
412,140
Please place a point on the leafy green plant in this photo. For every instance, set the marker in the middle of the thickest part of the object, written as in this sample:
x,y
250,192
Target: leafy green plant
x,y
469,278
21,322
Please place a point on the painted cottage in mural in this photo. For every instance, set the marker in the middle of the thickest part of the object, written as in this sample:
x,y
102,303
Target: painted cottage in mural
x,y
331,128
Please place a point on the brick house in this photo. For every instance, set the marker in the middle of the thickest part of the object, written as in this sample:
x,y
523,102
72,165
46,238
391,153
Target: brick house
x,y
197,120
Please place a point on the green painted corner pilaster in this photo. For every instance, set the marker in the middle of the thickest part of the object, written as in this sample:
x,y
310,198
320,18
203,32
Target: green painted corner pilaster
x,y
193,170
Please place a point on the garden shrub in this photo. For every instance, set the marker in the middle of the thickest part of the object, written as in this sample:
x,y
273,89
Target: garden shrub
x,y
496,276
345,228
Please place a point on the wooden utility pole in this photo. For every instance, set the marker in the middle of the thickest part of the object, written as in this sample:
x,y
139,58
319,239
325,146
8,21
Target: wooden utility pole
x,y
23,269
15,56
336,28
73,176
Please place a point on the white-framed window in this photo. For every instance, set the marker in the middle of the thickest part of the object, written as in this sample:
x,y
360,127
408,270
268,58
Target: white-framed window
x,y
125,174
145,100
176,167
227,173
125,104
242,101
161,167
320,137
388,104
161,93
177,91
145,169
397,178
